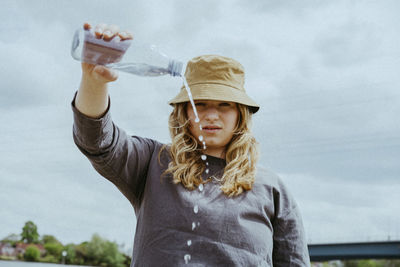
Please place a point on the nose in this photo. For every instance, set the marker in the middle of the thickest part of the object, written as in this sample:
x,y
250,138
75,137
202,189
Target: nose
x,y
211,114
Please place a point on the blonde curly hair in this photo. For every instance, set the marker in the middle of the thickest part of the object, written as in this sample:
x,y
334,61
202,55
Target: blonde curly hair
x,y
187,167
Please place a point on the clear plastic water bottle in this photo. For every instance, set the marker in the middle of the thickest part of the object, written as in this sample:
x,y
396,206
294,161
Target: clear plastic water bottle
x,y
129,56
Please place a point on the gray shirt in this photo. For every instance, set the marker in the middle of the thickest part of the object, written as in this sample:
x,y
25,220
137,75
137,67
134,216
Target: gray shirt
x,y
179,227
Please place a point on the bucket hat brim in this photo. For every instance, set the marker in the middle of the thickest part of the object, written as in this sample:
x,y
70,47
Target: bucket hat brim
x,y
220,92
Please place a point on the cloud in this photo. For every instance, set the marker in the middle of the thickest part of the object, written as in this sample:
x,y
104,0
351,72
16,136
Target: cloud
x,y
338,211
325,75
274,6
349,44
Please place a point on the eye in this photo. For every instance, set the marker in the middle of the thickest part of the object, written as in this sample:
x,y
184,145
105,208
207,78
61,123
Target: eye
x,y
200,104
225,104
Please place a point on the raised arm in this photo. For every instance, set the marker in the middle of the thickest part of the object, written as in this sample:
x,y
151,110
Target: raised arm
x,y
120,158
92,97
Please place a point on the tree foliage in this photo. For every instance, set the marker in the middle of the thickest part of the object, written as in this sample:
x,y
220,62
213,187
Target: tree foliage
x,y
70,258
29,233
81,253
32,253
54,249
104,253
372,263
49,239
12,239
96,252
363,263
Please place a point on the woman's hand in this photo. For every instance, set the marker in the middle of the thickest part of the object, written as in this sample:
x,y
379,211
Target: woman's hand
x,y
92,97
99,74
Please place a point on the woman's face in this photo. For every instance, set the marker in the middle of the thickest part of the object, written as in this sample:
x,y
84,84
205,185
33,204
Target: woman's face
x,y
218,120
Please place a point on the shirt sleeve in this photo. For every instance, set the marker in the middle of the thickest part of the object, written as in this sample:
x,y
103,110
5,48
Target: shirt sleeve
x,y
120,158
290,246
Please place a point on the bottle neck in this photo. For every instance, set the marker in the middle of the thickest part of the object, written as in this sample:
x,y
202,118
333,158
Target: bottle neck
x,y
175,68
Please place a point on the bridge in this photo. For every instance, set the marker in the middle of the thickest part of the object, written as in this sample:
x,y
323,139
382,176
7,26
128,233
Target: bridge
x,y
360,250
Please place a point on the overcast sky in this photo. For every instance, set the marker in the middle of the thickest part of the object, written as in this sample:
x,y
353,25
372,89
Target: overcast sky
x,y
325,73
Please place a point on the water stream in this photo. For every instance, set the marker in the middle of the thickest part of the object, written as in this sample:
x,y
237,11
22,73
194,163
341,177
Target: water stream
x,y
187,257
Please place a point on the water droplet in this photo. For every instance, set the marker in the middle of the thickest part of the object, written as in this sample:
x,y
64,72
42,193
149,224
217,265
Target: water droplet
x,y
189,242
193,225
201,138
207,163
187,258
198,224
201,127
203,157
196,209
196,120
207,171
201,187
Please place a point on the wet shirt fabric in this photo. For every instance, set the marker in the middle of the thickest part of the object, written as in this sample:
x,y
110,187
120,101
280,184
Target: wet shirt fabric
x,y
261,227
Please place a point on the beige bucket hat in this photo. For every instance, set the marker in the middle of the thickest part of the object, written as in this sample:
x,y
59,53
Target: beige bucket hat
x,y
213,77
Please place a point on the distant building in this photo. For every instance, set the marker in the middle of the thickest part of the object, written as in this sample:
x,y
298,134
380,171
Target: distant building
x,y
6,249
21,248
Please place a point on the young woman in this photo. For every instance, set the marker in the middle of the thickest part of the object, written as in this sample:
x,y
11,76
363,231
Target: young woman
x,y
201,200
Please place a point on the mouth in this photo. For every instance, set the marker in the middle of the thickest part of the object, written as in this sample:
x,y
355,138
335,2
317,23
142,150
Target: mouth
x,y
211,128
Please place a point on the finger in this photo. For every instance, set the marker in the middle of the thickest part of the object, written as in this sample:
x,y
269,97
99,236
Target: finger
x,y
125,36
99,29
87,26
113,75
105,74
107,35
113,28
110,31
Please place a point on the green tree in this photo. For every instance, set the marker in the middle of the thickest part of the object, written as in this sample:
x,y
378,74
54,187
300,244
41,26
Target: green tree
x,y
46,239
81,253
29,233
363,263
350,263
391,263
32,253
54,249
71,254
102,252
